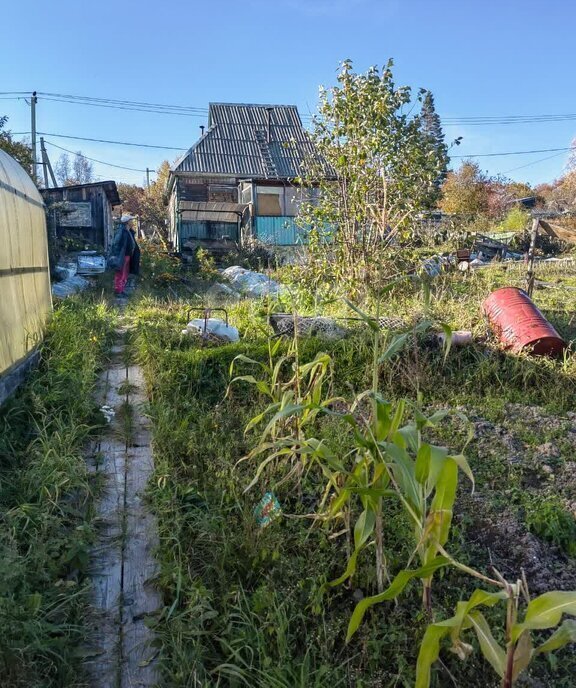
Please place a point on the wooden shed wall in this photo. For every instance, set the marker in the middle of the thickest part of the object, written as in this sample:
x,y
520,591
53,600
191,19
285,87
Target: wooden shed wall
x,y
101,228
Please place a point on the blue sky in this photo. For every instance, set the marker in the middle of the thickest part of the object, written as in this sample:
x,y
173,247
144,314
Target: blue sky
x,y
479,59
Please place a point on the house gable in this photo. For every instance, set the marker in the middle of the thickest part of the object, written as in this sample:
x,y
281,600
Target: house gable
x,y
250,142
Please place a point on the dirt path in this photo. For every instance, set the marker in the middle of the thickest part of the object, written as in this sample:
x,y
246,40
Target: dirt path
x,y
122,562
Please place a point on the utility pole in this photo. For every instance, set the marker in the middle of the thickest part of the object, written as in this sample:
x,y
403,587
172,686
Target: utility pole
x,y
47,166
147,178
44,164
33,131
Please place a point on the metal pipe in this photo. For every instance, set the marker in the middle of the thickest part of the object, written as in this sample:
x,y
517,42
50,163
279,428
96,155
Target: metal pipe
x,y
269,122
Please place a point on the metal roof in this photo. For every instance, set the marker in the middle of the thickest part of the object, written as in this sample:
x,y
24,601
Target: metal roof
x,y
109,187
251,141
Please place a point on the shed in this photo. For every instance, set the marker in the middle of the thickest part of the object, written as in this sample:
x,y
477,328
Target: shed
x,y
81,214
24,274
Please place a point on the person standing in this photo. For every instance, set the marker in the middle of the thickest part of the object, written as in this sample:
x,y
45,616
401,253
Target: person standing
x,y
121,253
134,262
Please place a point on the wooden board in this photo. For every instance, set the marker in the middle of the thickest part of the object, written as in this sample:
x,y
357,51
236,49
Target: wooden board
x,y
122,564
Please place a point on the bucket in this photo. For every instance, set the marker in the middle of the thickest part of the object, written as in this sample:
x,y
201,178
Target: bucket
x,y
520,325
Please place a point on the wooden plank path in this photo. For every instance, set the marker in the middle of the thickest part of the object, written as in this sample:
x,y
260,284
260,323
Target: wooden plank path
x,y
122,566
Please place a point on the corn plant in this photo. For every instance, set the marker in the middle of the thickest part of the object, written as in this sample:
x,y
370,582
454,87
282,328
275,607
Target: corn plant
x,y
424,477
293,409
541,613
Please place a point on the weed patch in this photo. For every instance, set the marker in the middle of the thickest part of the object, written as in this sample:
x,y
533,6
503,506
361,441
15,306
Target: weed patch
x,y
46,503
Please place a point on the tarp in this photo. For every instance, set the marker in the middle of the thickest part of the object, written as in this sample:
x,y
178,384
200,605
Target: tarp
x,y
250,283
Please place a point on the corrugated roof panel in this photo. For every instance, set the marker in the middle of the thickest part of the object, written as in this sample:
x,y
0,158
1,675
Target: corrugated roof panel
x,y
231,145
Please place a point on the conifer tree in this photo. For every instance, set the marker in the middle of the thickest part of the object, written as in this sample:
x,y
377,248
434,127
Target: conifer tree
x,y
433,138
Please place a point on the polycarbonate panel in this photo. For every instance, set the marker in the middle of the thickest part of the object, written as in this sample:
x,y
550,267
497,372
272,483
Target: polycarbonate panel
x,y
25,298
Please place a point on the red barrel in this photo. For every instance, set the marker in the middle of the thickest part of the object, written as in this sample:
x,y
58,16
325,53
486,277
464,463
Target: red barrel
x,y
520,325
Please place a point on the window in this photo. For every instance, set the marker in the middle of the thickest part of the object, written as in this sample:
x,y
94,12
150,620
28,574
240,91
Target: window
x,y
270,200
245,192
284,200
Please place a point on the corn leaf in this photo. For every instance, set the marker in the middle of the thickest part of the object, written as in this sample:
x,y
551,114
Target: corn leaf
x,y
490,648
371,322
350,569
396,345
545,612
430,647
422,465
396,587
364,527
564,634
260,417
522,655
448,339
429,653
398,416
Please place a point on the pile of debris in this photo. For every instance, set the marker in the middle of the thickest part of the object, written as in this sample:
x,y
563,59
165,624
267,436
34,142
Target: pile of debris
x,y
70,282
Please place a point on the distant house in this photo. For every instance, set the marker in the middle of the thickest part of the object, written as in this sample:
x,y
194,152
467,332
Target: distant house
x,y
82,213
238,179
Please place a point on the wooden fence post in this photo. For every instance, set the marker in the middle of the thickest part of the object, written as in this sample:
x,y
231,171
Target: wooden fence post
x,y
530,273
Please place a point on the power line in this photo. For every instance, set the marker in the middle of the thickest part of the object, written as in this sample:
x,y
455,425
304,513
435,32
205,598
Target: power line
x,y
134,103
195,111
534,162
130,105
176,148
526,152
118,143
507,119
126,102
123,107
101,162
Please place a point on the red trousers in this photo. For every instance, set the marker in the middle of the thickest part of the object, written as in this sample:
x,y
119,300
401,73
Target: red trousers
x,y
121,276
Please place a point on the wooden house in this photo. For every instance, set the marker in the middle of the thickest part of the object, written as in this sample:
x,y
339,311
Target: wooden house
x,y
81,214
238,179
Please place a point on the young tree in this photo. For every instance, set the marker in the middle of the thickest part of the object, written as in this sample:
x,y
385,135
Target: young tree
x,y
151,204
82,168
79,170
433,140
379,173
466,191
19,150
132,197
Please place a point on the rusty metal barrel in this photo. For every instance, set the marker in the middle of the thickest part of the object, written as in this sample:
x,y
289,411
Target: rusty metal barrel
x,y
520,325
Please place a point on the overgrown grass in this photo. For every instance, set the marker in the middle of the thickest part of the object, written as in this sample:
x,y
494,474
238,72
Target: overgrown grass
x,y
46,503
245,606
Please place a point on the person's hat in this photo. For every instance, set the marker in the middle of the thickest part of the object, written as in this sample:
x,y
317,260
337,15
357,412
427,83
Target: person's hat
x,y
126,218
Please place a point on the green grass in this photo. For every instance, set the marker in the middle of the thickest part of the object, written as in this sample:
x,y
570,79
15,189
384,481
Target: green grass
x,y
46,498
245,607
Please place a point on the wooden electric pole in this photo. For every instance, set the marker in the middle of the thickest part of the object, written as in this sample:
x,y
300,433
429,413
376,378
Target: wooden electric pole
x,y
46,164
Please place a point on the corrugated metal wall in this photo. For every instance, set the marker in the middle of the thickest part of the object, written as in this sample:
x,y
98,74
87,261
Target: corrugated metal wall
x,y
281,231
25,299
207,230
